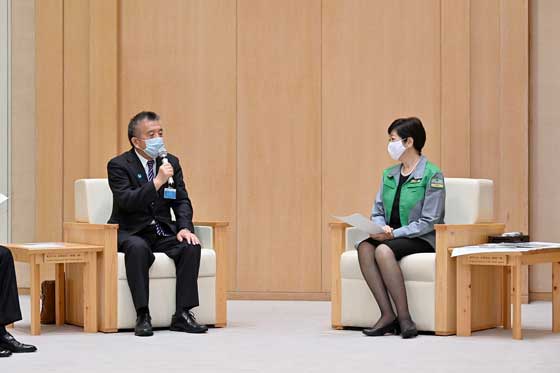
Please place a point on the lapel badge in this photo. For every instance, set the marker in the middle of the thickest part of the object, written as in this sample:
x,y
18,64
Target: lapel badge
x,y
139,176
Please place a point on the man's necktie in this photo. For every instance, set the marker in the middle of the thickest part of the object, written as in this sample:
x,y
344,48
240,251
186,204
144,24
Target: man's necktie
x,y
159,229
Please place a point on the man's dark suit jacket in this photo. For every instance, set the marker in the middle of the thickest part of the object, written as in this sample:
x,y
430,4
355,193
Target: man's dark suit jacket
x,y
136,203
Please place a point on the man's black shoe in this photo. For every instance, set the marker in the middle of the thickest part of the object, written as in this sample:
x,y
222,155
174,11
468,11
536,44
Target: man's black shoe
x,y
185,322
143,325
5,353
8,342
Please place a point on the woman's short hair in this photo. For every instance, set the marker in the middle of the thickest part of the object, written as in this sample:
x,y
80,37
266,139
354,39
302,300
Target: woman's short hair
x,y
410,127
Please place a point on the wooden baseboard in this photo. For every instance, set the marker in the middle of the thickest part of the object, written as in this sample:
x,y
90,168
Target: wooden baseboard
x,y
256,295
542,296
24,291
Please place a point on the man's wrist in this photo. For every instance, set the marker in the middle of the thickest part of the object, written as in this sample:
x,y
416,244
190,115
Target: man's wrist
x,y
157,183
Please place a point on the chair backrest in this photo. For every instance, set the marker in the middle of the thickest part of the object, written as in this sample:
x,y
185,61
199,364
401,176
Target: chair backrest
x,y
93,203
468,201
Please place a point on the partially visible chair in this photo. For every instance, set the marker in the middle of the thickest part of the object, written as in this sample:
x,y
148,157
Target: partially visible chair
x,y
93,205
429,277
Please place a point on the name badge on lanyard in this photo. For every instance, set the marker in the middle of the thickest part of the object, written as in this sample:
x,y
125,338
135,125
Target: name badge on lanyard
x,y
170,193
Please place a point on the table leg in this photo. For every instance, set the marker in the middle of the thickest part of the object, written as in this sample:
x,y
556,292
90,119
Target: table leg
x,y
35,296
506,297
90,294
516,279
555,297
463,297
59,294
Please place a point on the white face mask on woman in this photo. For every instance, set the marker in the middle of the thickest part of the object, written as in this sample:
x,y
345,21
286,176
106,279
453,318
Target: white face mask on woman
x,y
396,149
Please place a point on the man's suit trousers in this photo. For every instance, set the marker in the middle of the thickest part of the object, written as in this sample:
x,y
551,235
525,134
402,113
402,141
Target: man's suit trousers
x,y
9,301
139,252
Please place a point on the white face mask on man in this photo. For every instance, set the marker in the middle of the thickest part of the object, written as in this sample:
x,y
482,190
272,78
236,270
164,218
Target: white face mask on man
x,y
396,149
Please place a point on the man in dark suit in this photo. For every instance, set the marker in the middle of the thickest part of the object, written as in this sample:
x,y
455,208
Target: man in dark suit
x,y
9,306
139,180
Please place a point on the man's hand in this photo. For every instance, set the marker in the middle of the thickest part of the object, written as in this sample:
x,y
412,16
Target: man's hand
x,y
164,173
185,234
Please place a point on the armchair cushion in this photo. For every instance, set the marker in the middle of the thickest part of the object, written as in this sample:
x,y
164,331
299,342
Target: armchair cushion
x,y
164,267
417,267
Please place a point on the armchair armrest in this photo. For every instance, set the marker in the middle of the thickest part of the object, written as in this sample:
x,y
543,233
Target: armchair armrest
x,y
95,234
220,239
213,224
337,247
455,235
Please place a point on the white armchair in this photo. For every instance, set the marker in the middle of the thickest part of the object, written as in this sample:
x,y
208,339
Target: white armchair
x,y
93,205
429,278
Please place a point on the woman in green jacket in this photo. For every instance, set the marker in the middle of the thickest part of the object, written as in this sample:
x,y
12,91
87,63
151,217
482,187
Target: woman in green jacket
x,y
410,201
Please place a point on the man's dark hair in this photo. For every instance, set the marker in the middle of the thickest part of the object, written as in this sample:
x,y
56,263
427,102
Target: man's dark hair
x,y
137,119
410,127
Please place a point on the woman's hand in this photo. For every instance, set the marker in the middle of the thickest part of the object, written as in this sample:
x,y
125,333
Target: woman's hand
x,y
387,229
385,236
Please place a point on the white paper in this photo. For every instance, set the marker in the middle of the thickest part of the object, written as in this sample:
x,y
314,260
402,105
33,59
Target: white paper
x,y
3,198
506,247
362,223
46,245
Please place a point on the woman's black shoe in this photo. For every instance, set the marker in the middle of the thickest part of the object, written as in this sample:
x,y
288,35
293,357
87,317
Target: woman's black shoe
x,y
392,328
410,331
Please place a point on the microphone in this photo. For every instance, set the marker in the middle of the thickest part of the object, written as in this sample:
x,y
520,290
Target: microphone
x,y
163,155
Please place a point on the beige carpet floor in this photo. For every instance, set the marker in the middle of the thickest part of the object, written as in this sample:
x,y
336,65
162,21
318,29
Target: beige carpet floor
x,y
287,337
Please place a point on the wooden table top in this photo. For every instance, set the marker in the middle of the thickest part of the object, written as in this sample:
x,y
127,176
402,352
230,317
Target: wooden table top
x,y
52,247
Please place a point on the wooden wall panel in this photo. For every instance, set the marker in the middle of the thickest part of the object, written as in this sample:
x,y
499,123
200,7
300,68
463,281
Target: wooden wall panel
x,y
485,94
514,114
75,122
455,88
499,104
179,60
49,109
23,136
381,61
279,138
90,92
103,83
544,132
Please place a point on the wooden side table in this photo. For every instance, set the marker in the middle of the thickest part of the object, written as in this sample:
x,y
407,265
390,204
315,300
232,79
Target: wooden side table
x,y
58,254
512,263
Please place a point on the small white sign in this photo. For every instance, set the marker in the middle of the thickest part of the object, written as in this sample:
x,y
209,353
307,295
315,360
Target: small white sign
x,y
506,247
3,198
43,245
